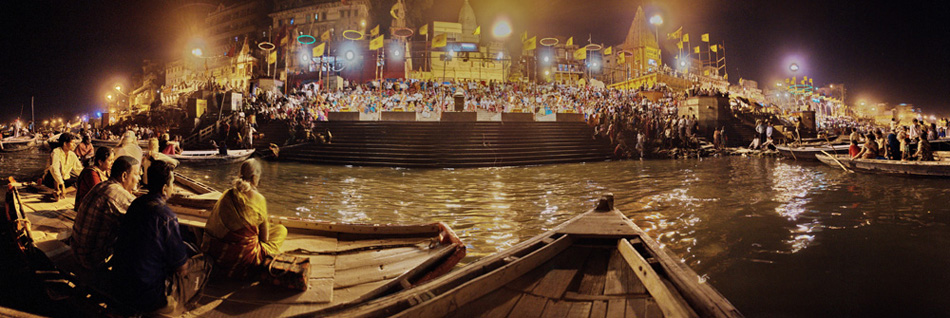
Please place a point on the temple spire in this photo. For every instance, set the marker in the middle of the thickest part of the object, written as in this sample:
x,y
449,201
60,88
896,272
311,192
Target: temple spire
x,y
639,34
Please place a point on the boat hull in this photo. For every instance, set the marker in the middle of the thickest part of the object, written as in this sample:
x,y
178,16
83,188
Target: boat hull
x,y
211,157
896,167
809,153
17,144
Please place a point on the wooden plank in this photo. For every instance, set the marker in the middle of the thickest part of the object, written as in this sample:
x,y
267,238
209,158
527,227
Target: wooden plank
x,y
561,273
613,282
598,309
347,294
300,244
494,305
611,224
595,271
443,304
653,310
378,271
528,306
580,309
573,296
670,304
615,308
556,309
636,308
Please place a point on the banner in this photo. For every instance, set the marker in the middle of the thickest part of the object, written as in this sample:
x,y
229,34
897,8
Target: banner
x,y
580,54
705,37
714,48
272,58
679,45
678,34
609,50
570,41
318,50
478,30
531,43
374,31
325,36
424,30
439,40
696,49
685,37
376,43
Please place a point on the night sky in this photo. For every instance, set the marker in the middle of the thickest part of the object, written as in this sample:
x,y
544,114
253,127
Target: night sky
x,y
70,53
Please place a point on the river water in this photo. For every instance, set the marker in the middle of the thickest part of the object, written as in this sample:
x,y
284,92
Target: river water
x,y
778,238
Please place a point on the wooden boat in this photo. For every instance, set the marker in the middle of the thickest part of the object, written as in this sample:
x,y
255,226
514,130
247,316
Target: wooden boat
x,y
14,144
937,168
595,265
212,157
351,263
809,151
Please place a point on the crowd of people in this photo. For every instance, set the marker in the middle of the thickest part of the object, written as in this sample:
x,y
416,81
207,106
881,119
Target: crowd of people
x,y
136,243
897,143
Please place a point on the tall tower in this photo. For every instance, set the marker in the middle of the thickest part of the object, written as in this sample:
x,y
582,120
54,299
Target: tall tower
x,y
641,41
467,19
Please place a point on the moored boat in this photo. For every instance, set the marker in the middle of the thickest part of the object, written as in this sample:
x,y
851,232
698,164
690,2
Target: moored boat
x,y
937,168
594,265
14,144
808,152
351,263
212,157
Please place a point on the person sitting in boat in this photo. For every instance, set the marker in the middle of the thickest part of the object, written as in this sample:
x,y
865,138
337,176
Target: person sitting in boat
x,y
924,150
893,146
85,150
238,235
153,270
99,212
97,172
906,153
128,146
64,166
870,150
151,155
854,150
173,147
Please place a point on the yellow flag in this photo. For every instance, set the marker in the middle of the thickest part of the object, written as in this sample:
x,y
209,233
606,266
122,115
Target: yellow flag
x,y
714,48
679,45
439,40
609,50
478,30
531,43
580,54
810,81
675,35
705,37
696,49
424,30
686,37
318,50
376,43
725,77
325,36
272,58
622,59
570,41
374,31
705,72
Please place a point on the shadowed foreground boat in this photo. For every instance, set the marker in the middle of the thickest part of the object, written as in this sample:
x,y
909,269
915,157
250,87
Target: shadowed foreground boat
x,y
808,152
598,264
350,263
938,168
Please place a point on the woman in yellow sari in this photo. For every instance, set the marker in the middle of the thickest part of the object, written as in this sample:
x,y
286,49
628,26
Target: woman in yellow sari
x,y
238,235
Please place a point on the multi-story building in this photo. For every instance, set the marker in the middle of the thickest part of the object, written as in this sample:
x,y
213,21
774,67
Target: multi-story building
x,y
314,18
464,57
230,23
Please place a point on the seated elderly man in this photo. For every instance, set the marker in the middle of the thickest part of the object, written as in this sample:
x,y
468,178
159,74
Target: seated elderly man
x,y
99,212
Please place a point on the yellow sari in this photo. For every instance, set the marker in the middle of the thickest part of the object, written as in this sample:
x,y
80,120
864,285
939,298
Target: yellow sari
x,y
232,233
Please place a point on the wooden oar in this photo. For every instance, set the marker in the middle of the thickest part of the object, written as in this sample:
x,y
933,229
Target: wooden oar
x,y
836,160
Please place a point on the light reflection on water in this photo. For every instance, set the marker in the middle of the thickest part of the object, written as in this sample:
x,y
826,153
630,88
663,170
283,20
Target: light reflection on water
x,y
776,237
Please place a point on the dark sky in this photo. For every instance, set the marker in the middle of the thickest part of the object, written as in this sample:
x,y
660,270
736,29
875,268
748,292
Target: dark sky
x,y
69,53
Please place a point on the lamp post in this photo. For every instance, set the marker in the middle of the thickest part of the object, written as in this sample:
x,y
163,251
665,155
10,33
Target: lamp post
x,y
656,21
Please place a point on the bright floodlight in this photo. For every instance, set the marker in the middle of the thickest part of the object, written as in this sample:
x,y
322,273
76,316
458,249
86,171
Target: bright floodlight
x,y
350,55
794,67
501,30
683,63
547,59
118,88
197,52
109,97
501,55
656,20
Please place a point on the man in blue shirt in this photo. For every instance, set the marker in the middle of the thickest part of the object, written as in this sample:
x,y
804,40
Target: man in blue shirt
x,y
152,269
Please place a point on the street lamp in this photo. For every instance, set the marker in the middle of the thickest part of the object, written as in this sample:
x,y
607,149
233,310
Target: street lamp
x,y
793,67
656,21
